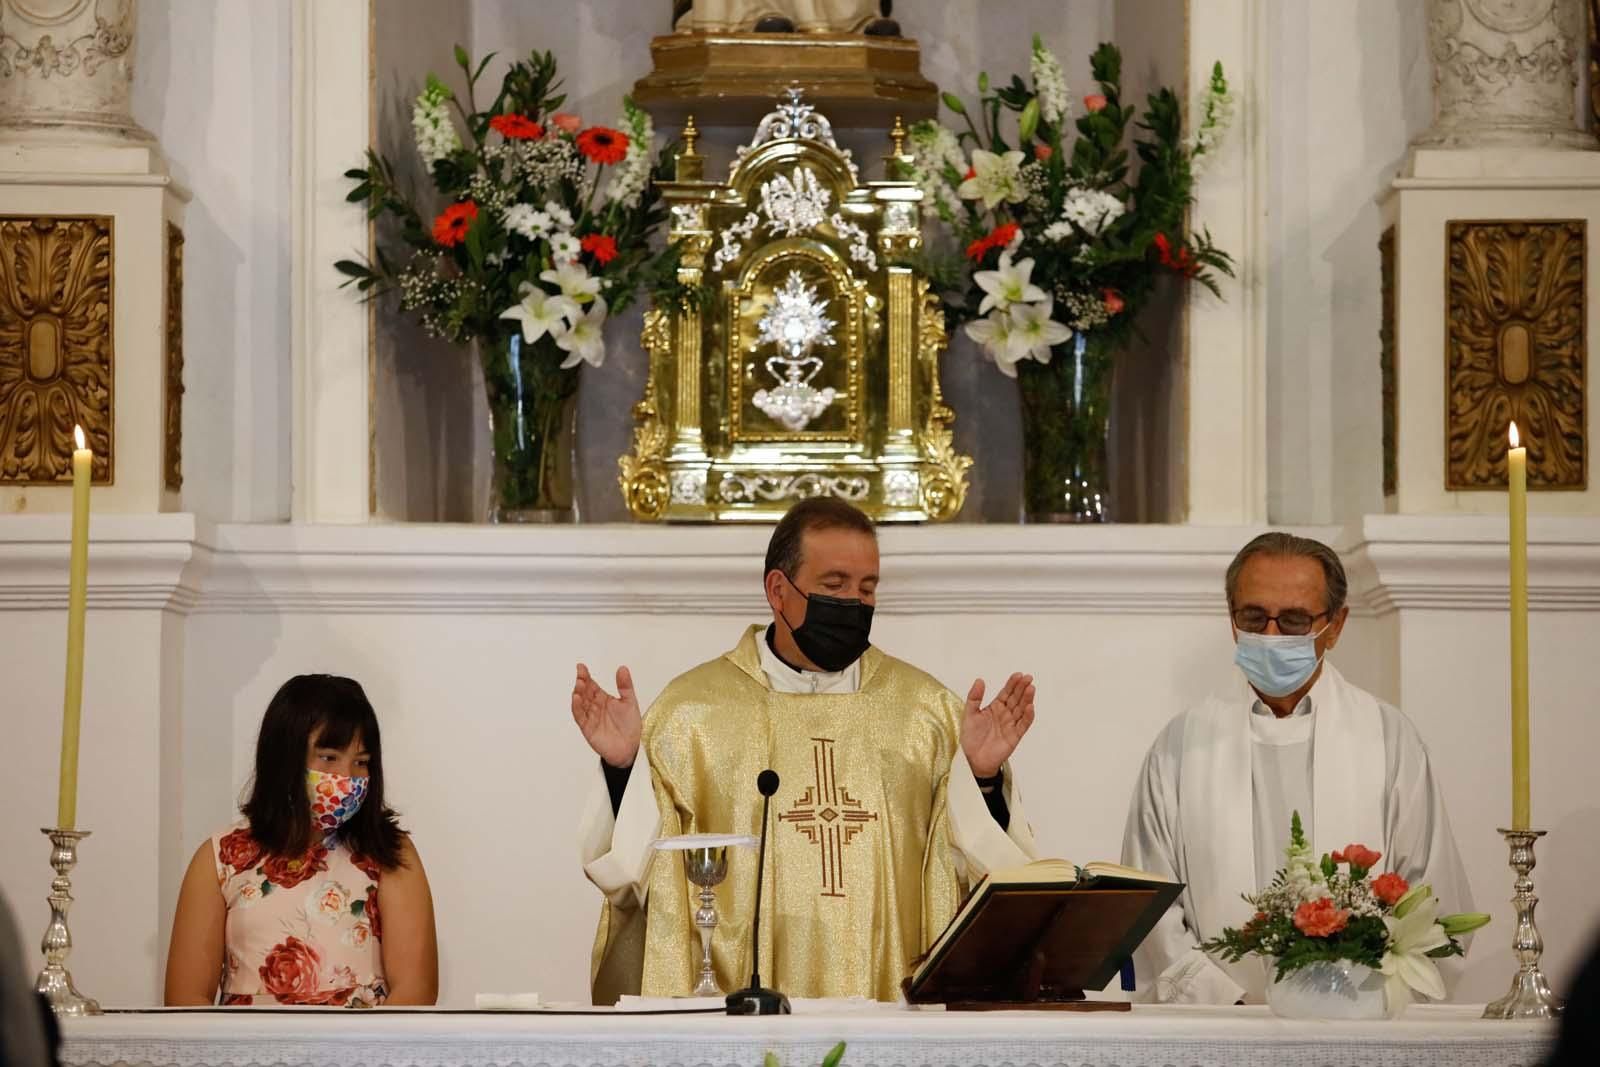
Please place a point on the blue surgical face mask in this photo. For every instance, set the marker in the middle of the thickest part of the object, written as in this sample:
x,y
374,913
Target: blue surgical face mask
x,y
1277,664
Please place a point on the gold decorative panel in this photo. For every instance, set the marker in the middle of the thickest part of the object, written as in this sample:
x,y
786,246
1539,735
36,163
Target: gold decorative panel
x,y
1515,350
55,345
172,445
1386,362
802,355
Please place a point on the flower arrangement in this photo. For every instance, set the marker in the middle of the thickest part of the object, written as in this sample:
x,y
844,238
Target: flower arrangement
x,y
1065,239
545,232
1317,912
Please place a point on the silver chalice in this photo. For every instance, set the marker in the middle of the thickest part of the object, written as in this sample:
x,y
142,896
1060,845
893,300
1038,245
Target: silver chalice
x,y
705,864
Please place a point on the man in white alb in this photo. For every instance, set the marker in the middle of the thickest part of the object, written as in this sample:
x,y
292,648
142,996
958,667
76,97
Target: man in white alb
x,y
1213,802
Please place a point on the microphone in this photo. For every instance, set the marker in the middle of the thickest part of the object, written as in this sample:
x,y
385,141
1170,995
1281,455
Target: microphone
x,y
754,999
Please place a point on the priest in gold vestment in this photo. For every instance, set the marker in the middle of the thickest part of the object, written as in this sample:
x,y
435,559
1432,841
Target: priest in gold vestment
x,y
894,797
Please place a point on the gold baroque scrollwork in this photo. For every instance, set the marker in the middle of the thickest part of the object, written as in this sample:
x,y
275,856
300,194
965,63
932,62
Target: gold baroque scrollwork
x,y
1515,350
644,472
172,451
944,488
55,345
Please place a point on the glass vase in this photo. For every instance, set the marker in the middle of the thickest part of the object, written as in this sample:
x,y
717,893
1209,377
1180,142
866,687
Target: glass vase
x,y
532,409
1066,417
1327,989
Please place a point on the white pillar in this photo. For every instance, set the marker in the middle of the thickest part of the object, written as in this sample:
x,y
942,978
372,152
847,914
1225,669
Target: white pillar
x,y
1226,343
1505,74
66,69
331,109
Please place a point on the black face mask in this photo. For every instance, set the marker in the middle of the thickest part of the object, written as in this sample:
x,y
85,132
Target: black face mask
x,y
835,632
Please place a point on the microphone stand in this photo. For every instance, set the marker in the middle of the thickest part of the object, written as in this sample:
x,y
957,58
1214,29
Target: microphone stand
x,y
755,999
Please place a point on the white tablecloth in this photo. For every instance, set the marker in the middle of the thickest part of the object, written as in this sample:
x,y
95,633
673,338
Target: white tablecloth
x,y
1158,1036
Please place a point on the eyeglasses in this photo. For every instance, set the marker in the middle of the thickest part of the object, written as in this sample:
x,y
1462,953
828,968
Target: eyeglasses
x,y
1293,623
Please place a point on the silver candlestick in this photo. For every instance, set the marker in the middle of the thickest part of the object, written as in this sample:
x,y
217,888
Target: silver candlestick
x,y
1530,996
706,868
55,981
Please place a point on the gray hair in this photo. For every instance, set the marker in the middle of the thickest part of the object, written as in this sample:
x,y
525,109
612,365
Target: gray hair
x,y
1288,545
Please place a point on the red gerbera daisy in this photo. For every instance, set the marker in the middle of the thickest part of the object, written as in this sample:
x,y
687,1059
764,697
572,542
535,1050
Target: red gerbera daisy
x,y
450,228
602,247
517,127
603,144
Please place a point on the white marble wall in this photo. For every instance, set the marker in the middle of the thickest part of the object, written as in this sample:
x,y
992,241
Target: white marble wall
x,y
465,637
212,84
1351,87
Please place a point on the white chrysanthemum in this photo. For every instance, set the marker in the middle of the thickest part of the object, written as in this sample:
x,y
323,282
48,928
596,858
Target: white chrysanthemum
x,y
632,175
565,247
1091,210
430,122
528,221
559,215
1058,231
1049,83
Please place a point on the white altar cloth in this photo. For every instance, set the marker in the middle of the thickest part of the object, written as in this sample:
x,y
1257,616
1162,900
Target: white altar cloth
x,y
1161,1036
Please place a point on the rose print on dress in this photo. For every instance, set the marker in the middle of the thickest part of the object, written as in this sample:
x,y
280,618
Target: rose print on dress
x,y
367,866
239,850
329,903
286,874
321,898
290,971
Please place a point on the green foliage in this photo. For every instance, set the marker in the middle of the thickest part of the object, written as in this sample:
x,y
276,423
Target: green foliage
x,y
834,1057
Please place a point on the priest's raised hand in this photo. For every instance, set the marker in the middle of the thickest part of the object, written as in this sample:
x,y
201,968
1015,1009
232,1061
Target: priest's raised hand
x,y
990,734
611,724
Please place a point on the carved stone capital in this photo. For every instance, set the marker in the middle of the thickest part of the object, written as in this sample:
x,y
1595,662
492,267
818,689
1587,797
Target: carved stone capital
x,y
1505,73
66,71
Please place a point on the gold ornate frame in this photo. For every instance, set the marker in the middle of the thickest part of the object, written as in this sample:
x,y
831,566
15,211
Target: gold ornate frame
x,y
703,450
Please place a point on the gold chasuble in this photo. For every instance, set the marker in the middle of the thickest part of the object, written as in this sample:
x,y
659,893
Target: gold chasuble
x,y
861,874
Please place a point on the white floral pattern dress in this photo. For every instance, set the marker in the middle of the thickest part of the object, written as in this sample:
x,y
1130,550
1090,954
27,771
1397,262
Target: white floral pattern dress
x,y
302,931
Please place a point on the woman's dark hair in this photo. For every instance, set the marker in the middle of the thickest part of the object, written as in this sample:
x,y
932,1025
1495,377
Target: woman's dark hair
x,y
335,711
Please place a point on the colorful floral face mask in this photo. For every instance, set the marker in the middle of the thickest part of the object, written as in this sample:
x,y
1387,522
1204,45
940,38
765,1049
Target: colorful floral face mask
x,y
335,798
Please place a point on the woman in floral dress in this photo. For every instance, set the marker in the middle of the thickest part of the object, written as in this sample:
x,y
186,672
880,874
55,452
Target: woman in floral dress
x,y
317,897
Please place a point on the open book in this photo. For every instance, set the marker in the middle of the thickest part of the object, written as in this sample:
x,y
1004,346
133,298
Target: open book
x,y
1041,933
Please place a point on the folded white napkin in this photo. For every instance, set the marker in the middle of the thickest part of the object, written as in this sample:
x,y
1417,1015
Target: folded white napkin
x,y
507,1001
684,842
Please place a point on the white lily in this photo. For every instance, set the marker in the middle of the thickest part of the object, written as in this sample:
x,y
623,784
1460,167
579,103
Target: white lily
x,y
1406,963
541,312
1033,331
1007,284
586,341
994,334
994,178
574,282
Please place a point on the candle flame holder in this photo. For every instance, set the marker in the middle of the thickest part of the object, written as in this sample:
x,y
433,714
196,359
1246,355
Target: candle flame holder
x,y
55,981
1530,996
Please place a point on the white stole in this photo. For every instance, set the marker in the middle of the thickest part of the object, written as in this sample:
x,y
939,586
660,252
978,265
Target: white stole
x,y
1216,802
